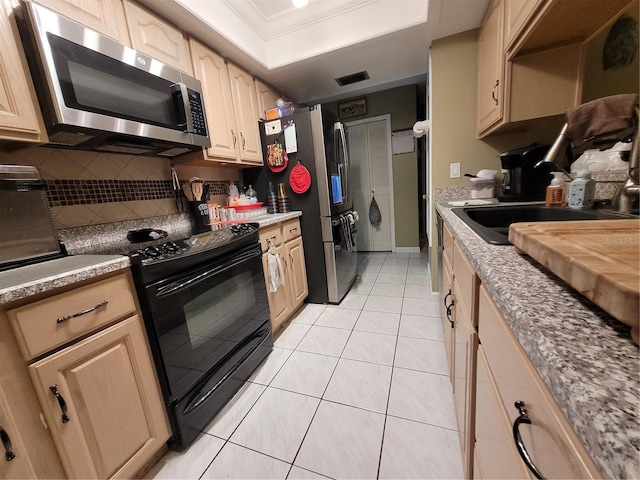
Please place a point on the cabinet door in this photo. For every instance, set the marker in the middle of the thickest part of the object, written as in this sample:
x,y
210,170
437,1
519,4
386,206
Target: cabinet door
x,y
279,302
107,386
495,453
296,272
464,372
14,462
516,14
490,68
266,98
448,313
245,105
18,103
157,38
211,69
104,16
550,440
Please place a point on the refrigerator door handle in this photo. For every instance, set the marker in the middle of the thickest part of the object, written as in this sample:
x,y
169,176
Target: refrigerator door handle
x,y
341,152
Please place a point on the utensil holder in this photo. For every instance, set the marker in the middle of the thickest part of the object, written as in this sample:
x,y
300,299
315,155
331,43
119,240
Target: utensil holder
x,y
200,211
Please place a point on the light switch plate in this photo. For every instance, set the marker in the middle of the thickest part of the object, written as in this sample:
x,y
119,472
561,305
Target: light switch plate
x,y
454,170
273,128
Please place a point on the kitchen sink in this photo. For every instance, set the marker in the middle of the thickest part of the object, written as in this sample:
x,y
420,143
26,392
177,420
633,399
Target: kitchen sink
x,y
492,223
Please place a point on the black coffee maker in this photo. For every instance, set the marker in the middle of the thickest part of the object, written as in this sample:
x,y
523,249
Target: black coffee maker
x,y
522,181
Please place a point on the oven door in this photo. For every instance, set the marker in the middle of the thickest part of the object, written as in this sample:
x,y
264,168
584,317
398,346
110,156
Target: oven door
x,y
202,317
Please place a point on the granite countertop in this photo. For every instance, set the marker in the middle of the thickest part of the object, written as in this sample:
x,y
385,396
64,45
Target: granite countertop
x,y
272,218
26,281
585,357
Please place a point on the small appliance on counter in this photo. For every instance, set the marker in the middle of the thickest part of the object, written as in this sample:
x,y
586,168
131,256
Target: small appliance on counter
x,y
522,181
27,233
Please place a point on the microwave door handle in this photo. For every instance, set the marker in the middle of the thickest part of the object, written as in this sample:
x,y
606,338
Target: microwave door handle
x,y
181,89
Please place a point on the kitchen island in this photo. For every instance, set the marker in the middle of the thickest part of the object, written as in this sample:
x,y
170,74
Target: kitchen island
x,y
585,357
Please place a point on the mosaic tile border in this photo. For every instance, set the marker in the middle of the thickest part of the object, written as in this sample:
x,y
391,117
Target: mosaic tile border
x,y
61,193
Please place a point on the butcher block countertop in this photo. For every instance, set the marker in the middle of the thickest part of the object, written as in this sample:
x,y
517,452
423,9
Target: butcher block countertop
x,y
586,358
600,259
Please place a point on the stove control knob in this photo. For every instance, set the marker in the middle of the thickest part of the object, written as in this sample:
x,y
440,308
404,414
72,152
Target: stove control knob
x,y
170,247
235,229
152,252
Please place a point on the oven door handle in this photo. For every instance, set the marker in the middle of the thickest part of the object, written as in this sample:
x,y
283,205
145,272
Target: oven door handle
x,y
199,398
190,282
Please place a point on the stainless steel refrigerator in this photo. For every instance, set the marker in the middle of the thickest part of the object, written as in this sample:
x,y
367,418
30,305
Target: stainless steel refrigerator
x,y
327,222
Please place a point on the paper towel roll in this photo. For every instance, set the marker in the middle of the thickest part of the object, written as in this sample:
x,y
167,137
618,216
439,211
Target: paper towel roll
x,y
420,128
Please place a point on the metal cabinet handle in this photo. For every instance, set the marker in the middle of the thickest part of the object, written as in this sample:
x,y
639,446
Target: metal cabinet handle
x,y
233,134
445,298
6,443
284,260
493,92
448,307
291,259
524,418
243,140
61,402
84,312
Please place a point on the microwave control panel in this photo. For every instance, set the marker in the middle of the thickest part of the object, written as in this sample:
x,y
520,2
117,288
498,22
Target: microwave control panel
x,y
197,113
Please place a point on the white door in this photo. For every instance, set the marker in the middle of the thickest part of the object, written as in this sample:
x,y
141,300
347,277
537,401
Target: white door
x,y
370,156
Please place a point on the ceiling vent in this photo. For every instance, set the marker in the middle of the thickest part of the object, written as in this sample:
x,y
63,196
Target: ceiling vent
x,y
353,78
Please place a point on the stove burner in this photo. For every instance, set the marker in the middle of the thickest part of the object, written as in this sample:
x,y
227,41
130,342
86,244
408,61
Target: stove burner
x,y
189,247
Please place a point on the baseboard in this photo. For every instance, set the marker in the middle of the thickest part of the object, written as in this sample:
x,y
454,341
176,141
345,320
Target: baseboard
x,y
407,250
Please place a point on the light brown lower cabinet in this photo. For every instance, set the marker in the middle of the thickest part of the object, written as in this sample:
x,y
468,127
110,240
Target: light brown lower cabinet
x,y
89,404
510,394
286,300
100,402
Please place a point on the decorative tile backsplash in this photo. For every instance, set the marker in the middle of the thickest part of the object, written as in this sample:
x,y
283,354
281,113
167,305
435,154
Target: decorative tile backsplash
x,y
90,188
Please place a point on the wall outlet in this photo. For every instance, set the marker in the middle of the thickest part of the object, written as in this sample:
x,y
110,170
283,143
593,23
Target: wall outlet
x,y
454,170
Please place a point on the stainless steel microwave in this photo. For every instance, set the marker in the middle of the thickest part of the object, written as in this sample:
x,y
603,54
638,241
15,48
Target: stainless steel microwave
x,y
96,94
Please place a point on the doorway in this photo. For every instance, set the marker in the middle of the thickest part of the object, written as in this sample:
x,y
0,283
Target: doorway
x,y
369,143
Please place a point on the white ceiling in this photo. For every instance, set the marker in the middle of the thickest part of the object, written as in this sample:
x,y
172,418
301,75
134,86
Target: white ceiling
x,y
300,52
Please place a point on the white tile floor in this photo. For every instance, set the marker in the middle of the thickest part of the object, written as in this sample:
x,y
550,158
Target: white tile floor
x,y
357,390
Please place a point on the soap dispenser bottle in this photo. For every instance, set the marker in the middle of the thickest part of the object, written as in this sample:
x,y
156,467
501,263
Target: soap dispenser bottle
x,y
556,191
582,191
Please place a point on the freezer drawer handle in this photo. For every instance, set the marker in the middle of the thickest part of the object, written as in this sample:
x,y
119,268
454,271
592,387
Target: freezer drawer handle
x,y
84,312
6,443
61,402
524,418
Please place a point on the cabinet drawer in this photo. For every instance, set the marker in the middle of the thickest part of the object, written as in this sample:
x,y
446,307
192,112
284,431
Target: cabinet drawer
x,y
550,440
291,229
48,323
271,233
447,244
467,281
495,452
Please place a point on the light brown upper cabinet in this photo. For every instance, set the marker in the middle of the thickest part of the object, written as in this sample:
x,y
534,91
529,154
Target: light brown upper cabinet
x,y
531,59
490,68
243,91
231,109
20,119
152,35
266,97
104,16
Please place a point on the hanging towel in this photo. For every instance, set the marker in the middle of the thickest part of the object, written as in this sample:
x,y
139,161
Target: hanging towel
x,y
346,238
274,265
603,116
375,217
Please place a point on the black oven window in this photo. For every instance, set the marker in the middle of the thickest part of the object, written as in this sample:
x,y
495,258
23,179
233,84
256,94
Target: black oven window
x,y
198,327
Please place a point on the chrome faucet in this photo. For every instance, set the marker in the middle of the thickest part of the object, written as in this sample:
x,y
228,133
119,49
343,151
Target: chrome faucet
x,y
558,148
627,198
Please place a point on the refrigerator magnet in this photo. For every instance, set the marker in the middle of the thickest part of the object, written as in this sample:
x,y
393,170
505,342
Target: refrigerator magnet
x,y
299,179
290,139
277,158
